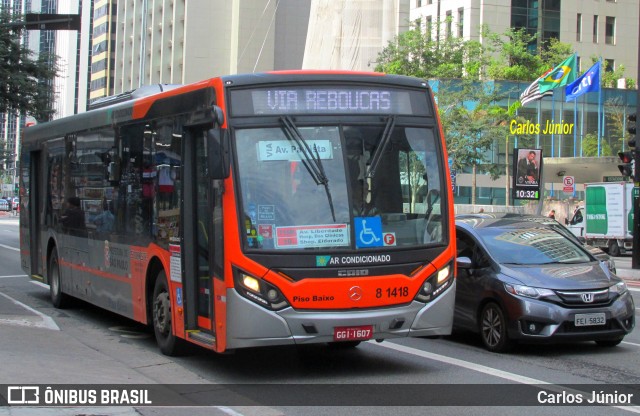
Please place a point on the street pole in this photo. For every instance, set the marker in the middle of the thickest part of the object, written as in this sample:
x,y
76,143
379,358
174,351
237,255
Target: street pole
x,y
507,194
635,253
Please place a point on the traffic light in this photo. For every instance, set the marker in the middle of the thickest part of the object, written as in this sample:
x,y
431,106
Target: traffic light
x,y
631,129
627,163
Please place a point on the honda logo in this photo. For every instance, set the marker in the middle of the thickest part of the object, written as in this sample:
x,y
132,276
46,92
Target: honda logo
x,y
587,297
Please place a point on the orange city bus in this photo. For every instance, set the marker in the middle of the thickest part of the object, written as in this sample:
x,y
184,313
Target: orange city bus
x,y
290,207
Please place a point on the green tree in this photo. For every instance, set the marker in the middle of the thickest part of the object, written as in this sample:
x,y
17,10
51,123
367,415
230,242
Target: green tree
x,y
474,123
609,77
553,53
423,55
590,146
515,61
616,112
25,86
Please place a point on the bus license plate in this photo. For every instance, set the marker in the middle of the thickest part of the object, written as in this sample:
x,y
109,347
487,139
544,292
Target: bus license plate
x,y
353,333
589,319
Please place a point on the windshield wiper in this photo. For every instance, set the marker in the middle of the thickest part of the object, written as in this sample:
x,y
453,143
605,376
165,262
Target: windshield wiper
x,y
312,163
384,142
377,155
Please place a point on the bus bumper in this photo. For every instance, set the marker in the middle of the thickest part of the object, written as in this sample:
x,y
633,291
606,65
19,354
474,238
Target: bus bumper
x,y
250,325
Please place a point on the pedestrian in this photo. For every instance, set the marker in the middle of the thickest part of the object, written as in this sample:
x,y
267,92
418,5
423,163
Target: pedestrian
x,y
552,214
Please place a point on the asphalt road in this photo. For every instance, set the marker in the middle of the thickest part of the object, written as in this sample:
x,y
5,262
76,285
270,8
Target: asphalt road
x,y
85,345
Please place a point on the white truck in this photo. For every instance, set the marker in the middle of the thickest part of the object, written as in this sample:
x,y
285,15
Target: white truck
x,y
606,219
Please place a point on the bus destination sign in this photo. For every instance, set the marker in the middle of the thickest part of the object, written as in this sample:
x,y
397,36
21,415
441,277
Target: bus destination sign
x,y
327,100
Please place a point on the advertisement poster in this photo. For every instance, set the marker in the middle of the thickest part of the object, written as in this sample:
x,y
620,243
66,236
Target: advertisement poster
x,y
527,171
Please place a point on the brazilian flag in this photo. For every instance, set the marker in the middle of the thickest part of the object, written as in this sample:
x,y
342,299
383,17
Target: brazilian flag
x,y
561,75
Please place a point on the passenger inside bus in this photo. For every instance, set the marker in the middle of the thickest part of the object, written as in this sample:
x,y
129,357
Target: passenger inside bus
x,y
73,219
104,221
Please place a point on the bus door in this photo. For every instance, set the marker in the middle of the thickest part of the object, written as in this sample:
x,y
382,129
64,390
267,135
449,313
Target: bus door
x,y
36,193
199,245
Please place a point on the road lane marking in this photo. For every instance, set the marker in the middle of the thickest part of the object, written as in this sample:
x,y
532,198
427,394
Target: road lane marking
x,y
46,321
14,275
487,370
44,285
461,363
9,247
631,343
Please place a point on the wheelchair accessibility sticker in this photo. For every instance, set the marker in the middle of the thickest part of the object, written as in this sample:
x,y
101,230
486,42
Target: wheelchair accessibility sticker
x,y
368,232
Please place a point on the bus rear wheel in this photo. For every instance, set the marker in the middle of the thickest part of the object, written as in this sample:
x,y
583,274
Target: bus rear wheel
x,y
58,299
162,323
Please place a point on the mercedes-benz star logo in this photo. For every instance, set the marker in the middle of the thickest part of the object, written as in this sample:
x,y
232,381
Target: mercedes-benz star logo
x,y
355,293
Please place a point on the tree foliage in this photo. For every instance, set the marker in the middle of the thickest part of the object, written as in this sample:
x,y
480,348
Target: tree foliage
x,y
420,54
609,77
514,59
474,122
25,80
590,146
616,112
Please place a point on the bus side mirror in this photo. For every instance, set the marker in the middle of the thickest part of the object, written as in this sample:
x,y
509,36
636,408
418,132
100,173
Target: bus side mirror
x,y
218,115
218,149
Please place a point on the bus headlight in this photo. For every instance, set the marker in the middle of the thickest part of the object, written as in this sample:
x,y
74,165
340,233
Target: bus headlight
x,y
435,284
259,291
250,283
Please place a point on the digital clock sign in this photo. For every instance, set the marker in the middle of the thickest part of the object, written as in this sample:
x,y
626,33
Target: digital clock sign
x,y
284,99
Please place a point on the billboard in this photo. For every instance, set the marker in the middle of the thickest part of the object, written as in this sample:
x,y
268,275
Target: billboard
x,y
527,171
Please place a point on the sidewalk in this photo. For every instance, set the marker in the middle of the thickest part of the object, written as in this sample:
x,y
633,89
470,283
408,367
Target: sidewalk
x,y
631,276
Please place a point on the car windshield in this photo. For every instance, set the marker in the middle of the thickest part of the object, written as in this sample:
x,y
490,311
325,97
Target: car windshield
x,y
327,196
531,246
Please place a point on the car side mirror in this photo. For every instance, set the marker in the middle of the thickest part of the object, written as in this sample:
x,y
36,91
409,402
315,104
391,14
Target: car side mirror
x,y
464,263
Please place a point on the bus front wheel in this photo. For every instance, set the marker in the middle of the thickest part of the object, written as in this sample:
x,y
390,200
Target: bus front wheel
x,y
58,299
161,308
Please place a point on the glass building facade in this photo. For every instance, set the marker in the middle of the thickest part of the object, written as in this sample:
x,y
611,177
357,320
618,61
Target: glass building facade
x,y
537,17
594,125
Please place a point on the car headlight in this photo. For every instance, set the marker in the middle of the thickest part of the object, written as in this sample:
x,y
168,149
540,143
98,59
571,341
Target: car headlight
x,y
528,291
619,288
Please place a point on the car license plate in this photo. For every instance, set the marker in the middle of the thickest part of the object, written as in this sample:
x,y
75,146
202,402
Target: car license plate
x,y
589,319
352,333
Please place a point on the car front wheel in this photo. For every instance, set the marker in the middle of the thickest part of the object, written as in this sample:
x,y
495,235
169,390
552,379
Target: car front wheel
x,y
493,328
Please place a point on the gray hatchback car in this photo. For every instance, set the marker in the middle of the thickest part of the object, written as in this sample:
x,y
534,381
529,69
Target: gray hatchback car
x,y
521,280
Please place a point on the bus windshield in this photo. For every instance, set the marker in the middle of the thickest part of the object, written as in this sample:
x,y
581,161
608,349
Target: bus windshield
x,y
312,187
